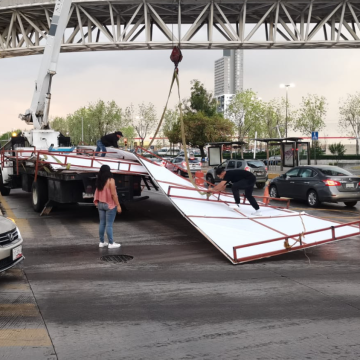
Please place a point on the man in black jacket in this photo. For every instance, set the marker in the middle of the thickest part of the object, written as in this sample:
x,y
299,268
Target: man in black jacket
x,y
107,141
240,179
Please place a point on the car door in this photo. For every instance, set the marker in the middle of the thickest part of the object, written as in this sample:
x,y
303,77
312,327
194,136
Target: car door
x,y
308,179
287,183
177,163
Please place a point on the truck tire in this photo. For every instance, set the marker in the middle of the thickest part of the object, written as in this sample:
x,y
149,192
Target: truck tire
x,y
39,194
4,191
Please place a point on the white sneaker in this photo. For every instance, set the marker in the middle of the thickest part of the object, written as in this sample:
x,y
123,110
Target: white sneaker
x,y
103,244
234,206
255,213
114,245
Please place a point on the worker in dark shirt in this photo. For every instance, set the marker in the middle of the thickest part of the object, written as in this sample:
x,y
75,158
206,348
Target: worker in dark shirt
x,y
107,141
240,179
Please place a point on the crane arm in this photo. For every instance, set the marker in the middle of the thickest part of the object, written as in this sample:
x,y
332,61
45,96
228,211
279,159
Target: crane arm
x,y
38,114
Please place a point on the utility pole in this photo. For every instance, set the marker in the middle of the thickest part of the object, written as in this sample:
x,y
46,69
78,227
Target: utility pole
x,y
286,86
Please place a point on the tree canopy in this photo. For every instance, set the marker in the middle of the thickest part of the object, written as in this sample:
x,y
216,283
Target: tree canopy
x,y
94,120
200,100
350,117
247,112
311,114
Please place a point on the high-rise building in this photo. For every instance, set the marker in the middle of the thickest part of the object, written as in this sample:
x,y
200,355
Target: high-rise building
x,y
228,77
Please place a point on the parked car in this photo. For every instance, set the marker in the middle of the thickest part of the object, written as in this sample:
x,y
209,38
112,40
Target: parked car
x,y
168,151
317,184
257,167
191,152
158,161
178,165
10,244
273,160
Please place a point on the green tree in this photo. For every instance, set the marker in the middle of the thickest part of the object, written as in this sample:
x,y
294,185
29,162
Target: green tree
x,y
275,118
171,126
200,100
311,114
201,129
350,117
247,112
337,149
145,120
60,124
92,122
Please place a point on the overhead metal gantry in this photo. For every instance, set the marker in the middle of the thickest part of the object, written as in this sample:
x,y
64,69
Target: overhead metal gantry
x,y
202,24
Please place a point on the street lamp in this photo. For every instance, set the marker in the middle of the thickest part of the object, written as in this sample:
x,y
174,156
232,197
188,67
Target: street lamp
x,y
286,86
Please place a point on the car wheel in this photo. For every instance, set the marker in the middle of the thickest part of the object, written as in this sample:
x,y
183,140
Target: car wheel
x,y
350,203
210,178
260,185
39,194
312,198
273,192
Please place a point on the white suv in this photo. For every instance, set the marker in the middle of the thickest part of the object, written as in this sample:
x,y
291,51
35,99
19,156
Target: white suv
x,y
10,244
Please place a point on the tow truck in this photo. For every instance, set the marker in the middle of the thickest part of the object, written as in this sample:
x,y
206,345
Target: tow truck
x,y
30,160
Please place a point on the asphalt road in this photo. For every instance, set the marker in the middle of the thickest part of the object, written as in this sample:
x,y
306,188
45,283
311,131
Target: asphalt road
x,y
179,298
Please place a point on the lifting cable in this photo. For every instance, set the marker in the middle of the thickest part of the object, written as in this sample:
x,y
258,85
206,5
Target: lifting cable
x,y
176,57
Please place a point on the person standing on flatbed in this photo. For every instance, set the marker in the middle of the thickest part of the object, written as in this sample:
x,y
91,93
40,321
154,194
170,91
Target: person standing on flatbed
x,y
107,141
240,179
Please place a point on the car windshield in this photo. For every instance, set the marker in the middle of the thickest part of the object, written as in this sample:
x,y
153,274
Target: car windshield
x,y
255,164
194,161
334,171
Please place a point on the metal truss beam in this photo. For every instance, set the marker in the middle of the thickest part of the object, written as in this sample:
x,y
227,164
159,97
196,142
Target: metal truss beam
x,y
203,24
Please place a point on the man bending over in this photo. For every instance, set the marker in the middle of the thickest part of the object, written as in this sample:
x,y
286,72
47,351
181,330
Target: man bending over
x,y
240,179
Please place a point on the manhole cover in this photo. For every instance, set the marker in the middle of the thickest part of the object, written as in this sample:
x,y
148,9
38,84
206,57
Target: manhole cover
x,y
115,259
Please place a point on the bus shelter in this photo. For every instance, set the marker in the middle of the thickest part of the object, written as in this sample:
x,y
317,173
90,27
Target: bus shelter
x,y
293,151
215,150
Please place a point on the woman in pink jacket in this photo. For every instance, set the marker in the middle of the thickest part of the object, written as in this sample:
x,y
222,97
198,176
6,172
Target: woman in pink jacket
x,y
107,202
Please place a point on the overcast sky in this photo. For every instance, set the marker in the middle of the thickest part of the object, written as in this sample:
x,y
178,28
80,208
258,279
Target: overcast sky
x,y
144,76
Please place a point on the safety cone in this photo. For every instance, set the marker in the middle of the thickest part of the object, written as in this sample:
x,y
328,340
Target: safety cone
x,y
199,178
266,194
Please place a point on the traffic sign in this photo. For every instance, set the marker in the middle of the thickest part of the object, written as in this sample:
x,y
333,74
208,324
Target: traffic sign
x,y
315,135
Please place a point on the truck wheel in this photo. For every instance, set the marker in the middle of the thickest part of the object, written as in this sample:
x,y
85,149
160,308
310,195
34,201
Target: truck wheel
x,y
4,191
39,194
260,185
210,179
350,203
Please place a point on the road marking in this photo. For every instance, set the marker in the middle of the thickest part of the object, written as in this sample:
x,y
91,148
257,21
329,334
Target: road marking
x,y
14,287
18,310
25,337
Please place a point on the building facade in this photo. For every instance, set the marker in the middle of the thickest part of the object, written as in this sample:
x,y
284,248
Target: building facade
x,y
228,77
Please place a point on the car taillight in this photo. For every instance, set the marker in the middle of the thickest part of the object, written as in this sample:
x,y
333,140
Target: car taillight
x,y
247,168
266,168
183,164
329,182
199,163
